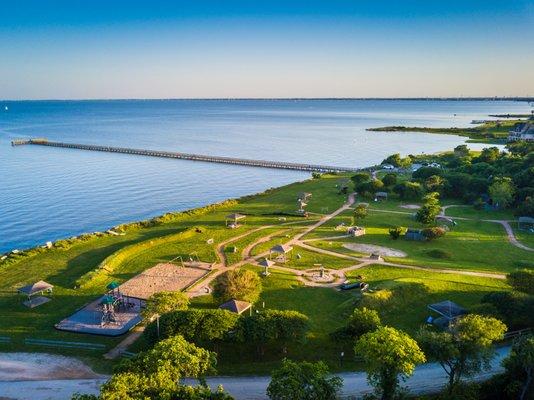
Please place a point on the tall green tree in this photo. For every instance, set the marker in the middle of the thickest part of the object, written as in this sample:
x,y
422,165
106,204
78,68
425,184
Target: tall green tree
x,y
464,350
520,368
303,381
389,179
522,280
502,191
360,212
430,210
238,284
388,355
360,177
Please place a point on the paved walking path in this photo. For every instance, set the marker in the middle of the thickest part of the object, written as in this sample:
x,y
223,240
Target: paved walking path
x,y
427,378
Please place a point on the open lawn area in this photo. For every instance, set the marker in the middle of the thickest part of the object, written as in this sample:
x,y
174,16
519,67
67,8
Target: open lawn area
x,y
401,295
471,245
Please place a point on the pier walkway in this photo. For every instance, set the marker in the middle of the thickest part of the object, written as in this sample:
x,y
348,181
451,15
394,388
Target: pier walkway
x,y
191,157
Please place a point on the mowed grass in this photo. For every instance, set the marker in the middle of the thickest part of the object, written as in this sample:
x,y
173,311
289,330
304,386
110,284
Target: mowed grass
x,y
407,308
326,309
471,245
63,268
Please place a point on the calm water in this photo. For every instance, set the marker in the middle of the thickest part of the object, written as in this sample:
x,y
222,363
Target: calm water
x,y
48,193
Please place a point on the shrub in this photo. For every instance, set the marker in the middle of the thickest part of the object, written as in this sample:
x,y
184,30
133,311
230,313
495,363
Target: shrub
x,y
522,280
396,232
434,232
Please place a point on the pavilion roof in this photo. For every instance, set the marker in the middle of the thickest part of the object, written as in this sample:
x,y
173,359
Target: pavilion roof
x,y
448,309
235,216
281,248
266,263
236,306
36,287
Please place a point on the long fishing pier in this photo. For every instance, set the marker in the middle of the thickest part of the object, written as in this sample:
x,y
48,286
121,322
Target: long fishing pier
x,y
187,156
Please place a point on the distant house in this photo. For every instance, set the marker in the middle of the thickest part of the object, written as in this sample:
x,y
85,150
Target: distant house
x,y
415,234
522,131
381,196
434,165
356,231
416,166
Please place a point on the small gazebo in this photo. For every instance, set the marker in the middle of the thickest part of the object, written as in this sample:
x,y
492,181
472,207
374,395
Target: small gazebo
x,y
381,196
449,312
236,306
40,287
266,263
281,251
232,220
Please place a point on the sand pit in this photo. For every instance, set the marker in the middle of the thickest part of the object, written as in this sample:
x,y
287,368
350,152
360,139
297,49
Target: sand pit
x,y
41,366
162,277
410,206
371,248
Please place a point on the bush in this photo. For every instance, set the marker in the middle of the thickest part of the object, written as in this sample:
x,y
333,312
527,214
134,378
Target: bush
x,y
361,321
434,232
396,232
522,280
197,326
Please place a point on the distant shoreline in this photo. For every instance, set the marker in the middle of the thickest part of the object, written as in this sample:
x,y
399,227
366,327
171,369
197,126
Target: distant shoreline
x,y
515,98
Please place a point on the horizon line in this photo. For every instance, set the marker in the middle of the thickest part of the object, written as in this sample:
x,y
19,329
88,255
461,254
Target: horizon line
x,y
450,98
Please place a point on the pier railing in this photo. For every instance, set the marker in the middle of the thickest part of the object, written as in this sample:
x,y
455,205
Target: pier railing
x,y
191,157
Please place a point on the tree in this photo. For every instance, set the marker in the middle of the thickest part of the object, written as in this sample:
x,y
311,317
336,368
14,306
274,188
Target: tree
x,y
362,321
430,210
408,190
303,381
370,187
488,155
196,325
164,302
522,280
425,172
434,183
461,151
360,212
396,232
464,350
156,373
502,191
238,284
389,179
514,308
387,355
434,232
397,161
273,326
520,368
360,177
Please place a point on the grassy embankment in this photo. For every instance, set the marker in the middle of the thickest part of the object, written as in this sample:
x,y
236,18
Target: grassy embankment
x,y
491,132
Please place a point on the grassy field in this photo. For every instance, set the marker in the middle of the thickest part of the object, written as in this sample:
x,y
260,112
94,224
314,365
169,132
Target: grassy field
x,y
471,245
413,290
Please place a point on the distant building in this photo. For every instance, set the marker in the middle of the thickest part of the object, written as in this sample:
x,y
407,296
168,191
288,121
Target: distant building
x,y
416,166
522,131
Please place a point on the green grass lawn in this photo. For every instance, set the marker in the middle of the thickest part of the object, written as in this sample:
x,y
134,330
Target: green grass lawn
x,y
471,245
407,308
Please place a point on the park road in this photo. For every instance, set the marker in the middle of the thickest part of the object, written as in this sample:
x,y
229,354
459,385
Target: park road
x,y
428,378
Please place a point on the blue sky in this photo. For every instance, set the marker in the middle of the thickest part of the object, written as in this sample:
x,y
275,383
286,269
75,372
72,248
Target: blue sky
x,y
157,49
